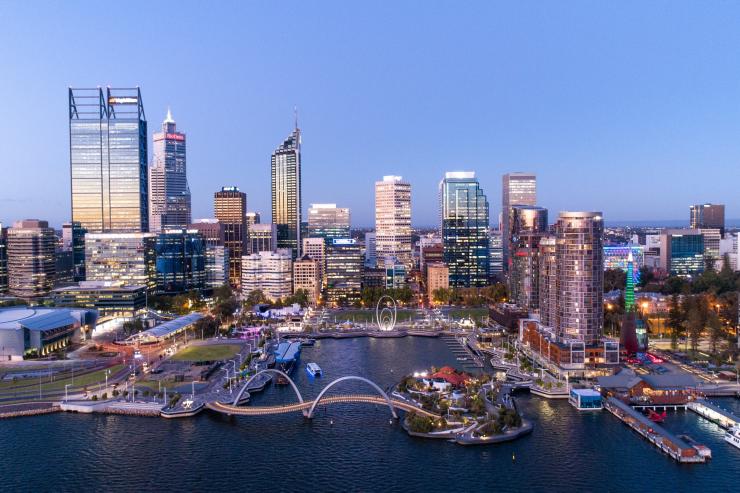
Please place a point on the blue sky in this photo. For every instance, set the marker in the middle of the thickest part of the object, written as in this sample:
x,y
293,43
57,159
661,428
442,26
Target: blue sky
x,y
632,108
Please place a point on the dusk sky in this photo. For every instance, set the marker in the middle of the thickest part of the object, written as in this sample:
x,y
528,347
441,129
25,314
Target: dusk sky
x,y
631,108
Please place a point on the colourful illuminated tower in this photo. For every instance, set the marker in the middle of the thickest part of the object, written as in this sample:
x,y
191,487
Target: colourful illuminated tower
x,y
629,292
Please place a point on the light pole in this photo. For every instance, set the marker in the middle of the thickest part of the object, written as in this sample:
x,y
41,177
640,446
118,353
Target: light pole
x,y
66,396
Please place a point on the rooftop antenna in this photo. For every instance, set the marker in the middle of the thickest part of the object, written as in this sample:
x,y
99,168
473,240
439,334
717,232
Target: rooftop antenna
x,y
295,114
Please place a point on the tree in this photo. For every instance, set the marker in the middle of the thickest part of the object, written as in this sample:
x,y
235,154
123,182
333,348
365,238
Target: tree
x,y
614,279
715,330
647,276
206,326
255,297
675,320
442,295
694,326
131,327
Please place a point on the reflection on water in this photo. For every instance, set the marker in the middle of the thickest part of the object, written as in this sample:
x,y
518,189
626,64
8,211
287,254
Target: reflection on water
x,y
568,451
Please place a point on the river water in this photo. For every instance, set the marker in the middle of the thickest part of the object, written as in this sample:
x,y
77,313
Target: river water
x,y
352,447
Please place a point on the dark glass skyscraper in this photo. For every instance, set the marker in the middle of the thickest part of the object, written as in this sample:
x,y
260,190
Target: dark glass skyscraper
x,y
230,207
108,160
181,261
464,229
286,192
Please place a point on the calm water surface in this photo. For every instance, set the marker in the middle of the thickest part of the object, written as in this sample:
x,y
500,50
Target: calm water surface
x,y
360,451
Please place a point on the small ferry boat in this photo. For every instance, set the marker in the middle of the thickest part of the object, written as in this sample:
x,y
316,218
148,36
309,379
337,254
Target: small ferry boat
x,y
313,369
585,399
462,359
308,342
733,436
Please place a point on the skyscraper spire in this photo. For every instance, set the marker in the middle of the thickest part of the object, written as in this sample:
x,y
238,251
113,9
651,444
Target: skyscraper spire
x,y
168,118
295,114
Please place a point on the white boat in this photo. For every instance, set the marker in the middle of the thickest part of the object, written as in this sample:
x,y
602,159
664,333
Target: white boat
x,y
313,369
733,436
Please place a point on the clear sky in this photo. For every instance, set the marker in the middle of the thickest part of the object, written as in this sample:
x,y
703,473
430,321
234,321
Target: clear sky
x,y
632,108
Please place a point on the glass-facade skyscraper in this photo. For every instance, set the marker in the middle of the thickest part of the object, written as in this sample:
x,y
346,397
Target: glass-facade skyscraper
x,y
464,229
528,224
108,160
230,208
393,221
518,189
169,194
180,261
286,192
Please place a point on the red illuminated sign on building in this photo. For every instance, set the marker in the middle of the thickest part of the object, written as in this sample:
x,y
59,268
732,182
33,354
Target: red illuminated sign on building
x,y
175,136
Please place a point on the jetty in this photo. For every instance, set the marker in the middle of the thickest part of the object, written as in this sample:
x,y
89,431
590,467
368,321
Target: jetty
x,y
677,448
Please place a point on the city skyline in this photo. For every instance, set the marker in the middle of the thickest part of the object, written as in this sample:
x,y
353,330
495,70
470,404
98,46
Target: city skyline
x,y
561,127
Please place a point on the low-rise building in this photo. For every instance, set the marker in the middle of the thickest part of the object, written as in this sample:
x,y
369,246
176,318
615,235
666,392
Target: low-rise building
x,y
110,299
26,331
437,277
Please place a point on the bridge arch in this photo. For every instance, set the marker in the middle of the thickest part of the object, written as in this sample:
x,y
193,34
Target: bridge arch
x,y
267,370
361,379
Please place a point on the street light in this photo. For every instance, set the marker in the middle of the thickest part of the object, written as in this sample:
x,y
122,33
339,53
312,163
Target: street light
x,y
66,386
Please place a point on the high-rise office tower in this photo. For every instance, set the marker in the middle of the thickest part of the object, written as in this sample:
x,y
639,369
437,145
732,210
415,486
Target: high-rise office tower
x,y
217,255
230,208
393,221
579,287
31,266
180,260
328,221
211,229
518,189
682,252
528,224
707,216
464,229
3,260
108,160
286,192
344,266
169,194
73,240
495,243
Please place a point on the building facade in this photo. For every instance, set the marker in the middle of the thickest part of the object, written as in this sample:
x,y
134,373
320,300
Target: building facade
x,y
548,280
3,260
517,189
438,277
286,192
393,221
230,208
169,194
270,272
344,268
31,263
108,160
464,229
73,240
125,257
262,238
527,225
306,276
707,216
328,221
579,286
181,261
315,248
682,252
371,250
110,299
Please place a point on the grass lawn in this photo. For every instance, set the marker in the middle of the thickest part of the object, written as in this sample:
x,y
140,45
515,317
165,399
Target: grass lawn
x,y
367,315
474,313
207,353
80,380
